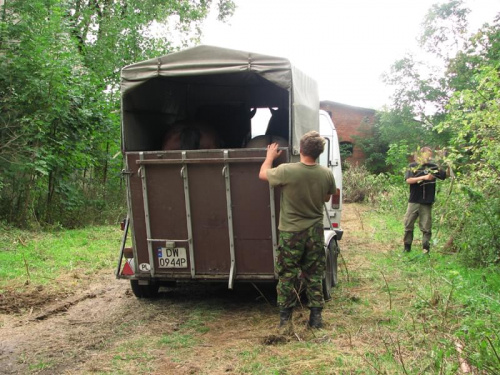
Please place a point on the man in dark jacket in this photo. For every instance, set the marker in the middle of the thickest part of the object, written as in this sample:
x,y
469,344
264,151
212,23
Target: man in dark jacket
x,y
421,176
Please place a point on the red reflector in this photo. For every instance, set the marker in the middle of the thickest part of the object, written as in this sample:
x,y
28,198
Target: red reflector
x,y
127,270
335,225
335,202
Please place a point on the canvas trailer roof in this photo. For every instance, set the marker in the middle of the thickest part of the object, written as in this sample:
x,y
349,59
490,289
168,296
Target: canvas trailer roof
x,y
162,86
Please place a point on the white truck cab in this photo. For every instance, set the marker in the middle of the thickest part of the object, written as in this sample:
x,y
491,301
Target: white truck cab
x,y
330,158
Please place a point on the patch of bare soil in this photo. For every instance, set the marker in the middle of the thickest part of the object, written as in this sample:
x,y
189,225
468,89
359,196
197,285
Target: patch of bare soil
x,y
58,328
12,301
85,330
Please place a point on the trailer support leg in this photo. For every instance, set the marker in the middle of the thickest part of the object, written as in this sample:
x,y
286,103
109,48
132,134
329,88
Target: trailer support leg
x,y
185,180
142,173
229,206
122,247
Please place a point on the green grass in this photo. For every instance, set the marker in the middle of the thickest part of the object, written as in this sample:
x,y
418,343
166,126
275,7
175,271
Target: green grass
x,y
40,366
190,332
178,340
133,353
451,303
395,313
41,257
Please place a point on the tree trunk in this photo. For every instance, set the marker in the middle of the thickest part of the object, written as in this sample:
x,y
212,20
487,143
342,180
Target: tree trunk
x,y
105,168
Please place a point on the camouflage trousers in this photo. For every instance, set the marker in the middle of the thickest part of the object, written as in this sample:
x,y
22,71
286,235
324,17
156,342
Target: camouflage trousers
x,y
301,259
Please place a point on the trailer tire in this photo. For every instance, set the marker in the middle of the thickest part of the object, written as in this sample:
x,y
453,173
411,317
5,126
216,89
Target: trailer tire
x,y
330,279
144,291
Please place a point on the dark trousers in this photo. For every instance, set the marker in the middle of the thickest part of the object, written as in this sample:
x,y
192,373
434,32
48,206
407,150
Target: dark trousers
x,y
424,214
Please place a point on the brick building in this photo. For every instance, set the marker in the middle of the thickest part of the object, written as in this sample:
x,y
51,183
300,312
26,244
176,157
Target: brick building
x,y
350,121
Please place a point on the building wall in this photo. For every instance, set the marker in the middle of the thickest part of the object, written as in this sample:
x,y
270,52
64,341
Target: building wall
x,y
350,121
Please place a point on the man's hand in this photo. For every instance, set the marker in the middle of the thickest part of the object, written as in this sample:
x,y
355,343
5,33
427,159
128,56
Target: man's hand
x,y
272,153
416,180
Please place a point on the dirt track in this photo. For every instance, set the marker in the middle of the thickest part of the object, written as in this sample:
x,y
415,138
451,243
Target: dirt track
x,y
87,332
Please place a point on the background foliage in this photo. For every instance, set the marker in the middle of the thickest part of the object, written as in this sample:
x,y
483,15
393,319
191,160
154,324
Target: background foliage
x,y
454,107
59,111
59,99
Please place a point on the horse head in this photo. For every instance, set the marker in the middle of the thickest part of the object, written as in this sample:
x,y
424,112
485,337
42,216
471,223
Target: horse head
x,y
192,135
278,123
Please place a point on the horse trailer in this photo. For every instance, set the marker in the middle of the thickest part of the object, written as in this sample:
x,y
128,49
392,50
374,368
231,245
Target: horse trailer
x,y
192,149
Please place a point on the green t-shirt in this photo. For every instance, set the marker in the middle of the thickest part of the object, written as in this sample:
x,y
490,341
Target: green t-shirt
x,y
303,191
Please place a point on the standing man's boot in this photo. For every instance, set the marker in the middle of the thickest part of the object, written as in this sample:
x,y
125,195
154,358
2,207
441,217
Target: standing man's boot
x,y
285,316
407,247
315,320
426,249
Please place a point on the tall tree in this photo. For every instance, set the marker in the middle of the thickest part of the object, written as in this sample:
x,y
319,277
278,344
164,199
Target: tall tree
x,y
59,72
423,91
465,96
113,33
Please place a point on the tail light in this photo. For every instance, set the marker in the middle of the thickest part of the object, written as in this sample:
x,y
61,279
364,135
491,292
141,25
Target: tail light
x,y
335,225
128,252
335,202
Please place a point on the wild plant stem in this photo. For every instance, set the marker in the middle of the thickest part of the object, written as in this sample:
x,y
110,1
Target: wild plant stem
x,y
447,304
345,266
372,366
388,290
493,347
27,269
262,294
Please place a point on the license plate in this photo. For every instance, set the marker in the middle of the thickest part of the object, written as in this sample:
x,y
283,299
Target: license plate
x,y
172,258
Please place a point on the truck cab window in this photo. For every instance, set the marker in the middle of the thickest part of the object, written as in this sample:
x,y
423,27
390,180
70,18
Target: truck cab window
x,y
324,158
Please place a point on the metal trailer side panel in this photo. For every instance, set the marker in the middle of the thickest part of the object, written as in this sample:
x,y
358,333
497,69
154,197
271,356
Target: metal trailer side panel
x,y
223,212
207,192
251,220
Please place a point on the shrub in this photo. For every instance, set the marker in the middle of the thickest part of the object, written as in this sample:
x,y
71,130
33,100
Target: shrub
x,y
471,218
359,185
466,215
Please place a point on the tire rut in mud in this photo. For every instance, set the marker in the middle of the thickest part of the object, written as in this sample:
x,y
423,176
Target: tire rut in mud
x,y
64,332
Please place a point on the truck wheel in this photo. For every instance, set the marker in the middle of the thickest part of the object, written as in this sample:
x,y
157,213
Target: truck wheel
x,y
144,291
334,247
330,279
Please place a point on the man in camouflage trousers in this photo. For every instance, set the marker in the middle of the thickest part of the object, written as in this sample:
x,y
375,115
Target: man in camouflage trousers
x,y
305,186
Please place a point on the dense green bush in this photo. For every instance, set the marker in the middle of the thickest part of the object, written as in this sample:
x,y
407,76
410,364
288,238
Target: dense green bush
x,y
464,125
466,214
359,185
471,218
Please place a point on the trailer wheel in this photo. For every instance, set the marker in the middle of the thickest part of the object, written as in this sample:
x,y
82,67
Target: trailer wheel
x,y
330,279
144,291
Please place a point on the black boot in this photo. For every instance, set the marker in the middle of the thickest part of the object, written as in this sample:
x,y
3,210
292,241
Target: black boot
x,y
315,320
285,316
426,249
407,247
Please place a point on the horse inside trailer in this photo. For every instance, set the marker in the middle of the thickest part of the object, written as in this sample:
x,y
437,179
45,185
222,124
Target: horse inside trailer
x,y
196,208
